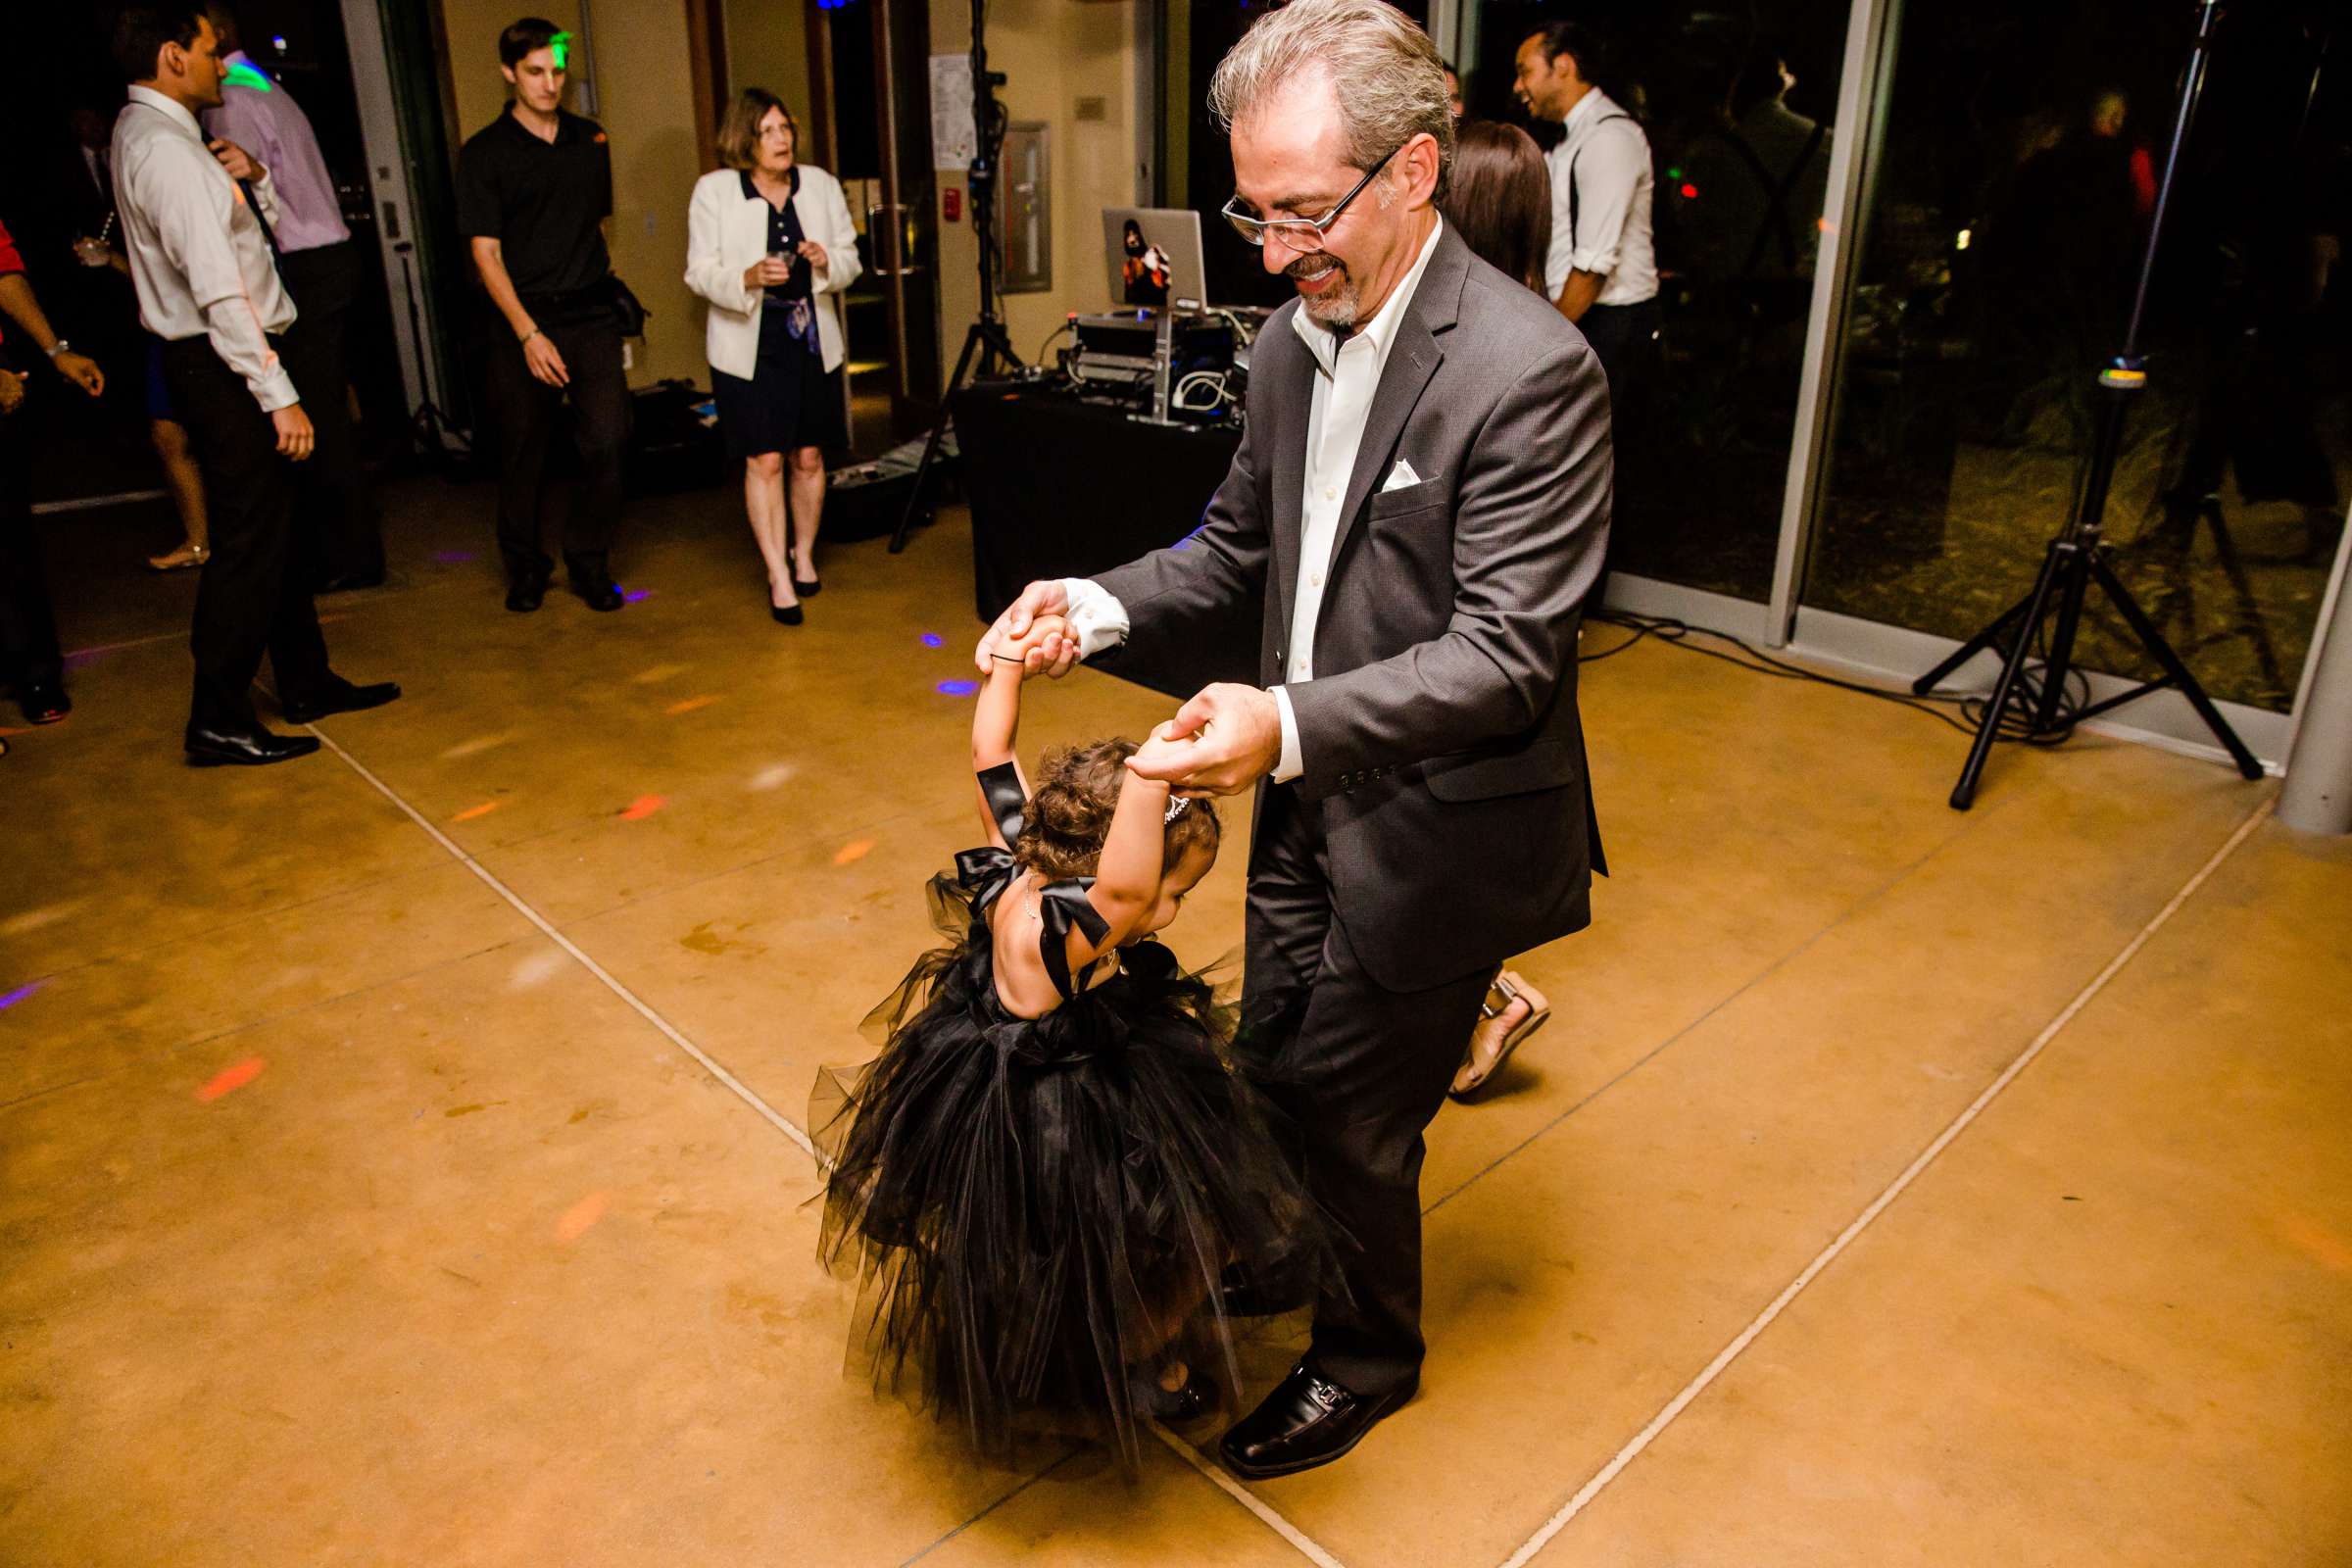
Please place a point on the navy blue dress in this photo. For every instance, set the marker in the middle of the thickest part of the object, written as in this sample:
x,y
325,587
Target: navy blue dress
x,y
790,401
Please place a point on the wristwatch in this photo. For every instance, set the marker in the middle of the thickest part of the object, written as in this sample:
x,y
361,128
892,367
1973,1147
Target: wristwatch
x,y
60,345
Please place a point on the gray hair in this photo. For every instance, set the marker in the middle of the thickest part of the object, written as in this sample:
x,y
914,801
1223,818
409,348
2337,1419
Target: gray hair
x,y
1384,71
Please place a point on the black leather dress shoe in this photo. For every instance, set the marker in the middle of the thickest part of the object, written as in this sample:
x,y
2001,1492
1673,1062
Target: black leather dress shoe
x,y
44,702
339,697
1306,1421
598,592
211,746
524,593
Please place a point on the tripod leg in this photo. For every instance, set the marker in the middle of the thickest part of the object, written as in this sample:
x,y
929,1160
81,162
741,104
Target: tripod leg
x,y
2162,652
2073,585
938,430
1990,637
1988,730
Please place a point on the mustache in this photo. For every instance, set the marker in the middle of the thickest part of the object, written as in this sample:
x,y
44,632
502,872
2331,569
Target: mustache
x,y
1307,266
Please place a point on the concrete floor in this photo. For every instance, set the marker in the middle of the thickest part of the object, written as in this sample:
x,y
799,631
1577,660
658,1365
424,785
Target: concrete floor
x,y
368,1195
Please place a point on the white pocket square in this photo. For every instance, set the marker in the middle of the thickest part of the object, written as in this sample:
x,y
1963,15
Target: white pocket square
x,y
1400,476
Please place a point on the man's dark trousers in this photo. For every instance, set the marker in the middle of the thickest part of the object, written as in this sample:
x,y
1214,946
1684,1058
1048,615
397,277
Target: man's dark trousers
x,y
527,409
251,599
339,534
1364,1070
28,651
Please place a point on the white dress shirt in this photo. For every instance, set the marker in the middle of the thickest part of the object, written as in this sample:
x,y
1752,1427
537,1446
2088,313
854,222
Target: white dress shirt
x,y
1612,196
197,254
1348,374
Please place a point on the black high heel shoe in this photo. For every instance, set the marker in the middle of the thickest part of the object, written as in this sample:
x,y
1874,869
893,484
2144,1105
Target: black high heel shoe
x,y
785,614
1175,1406
807,590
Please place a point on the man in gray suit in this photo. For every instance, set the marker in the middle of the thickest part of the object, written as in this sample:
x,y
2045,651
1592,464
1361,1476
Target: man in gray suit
x,y
1420,510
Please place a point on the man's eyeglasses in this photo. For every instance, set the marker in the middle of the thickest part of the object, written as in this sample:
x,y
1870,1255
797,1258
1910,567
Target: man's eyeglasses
x,y
1301,234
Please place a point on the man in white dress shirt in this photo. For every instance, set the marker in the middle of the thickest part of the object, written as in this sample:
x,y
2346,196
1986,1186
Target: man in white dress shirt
x,y
1417,511
206,286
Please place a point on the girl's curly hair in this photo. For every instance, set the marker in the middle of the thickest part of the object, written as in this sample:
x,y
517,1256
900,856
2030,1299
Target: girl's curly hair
x,y
1068,816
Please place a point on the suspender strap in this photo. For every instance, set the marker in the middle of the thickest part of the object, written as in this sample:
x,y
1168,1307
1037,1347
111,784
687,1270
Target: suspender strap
x,y
1573,202
1001,788
1061,905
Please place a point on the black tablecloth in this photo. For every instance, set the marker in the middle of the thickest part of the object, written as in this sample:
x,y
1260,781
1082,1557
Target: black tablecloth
x,y
1060,488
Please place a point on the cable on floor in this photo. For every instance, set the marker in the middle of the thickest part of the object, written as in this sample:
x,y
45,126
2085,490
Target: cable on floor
x,y
1962,710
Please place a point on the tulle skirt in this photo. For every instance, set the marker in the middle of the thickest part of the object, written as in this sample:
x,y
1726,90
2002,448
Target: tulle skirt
x,y
1040,1211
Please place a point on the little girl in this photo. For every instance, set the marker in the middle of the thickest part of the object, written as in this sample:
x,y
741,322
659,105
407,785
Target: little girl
x,y
1054,1162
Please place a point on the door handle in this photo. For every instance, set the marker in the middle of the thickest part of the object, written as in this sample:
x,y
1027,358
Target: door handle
x,y
875,229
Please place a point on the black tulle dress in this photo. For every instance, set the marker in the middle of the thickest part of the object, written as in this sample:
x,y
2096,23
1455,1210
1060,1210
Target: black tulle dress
x,y
1038,1211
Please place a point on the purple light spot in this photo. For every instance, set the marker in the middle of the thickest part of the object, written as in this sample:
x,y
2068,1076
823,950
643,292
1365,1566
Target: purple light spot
x,y
958,688
932,639
455,558
642,593
85,658
19,995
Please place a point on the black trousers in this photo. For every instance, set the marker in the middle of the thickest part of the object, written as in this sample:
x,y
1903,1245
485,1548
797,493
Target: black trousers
x,y
1625,340
1364,1070
251,599
341,532
28,653
526,408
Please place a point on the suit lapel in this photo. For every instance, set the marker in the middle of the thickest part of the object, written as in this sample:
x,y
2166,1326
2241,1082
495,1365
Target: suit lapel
x,y
1415,357
1292,400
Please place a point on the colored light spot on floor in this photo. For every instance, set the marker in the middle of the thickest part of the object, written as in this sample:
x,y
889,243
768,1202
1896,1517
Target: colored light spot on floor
x,y
455,558
329,620
29,920
932,639
6,732
657,674
958,688
228,1080
467,1110
854,851
689,705
582,1216
636,596
476,813
19,995
775,778
479,743
643,806
85,658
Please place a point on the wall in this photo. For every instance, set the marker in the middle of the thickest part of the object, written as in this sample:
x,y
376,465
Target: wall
x,y
1053,52
768,46
646,108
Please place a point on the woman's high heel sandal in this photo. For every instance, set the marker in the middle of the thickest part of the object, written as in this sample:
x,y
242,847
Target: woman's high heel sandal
x,y
1508,987
181,560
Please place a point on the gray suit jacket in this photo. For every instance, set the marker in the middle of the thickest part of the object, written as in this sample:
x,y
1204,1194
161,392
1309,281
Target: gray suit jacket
x,y
1440,735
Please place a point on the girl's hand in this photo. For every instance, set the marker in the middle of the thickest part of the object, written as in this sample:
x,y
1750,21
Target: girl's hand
x,y
1029,647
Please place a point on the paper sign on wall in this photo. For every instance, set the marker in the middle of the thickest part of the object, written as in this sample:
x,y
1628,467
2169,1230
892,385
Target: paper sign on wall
x,y
953,141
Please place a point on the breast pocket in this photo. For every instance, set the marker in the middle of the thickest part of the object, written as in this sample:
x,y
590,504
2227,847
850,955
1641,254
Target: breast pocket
x,y
1413,497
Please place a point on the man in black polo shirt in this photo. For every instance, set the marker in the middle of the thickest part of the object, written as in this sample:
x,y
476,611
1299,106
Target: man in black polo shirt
x,y
533,192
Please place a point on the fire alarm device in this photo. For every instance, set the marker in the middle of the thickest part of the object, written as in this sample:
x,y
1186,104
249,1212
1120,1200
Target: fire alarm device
x,y
951,203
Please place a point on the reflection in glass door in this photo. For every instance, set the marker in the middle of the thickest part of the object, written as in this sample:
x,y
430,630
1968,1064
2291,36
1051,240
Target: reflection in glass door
x,y
2008,188
1736,104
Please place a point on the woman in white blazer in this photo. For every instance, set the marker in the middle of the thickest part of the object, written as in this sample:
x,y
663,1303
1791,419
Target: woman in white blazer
x,y
770,245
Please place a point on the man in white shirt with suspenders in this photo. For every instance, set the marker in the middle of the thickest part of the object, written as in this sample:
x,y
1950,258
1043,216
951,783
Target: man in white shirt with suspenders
x,y
1601,271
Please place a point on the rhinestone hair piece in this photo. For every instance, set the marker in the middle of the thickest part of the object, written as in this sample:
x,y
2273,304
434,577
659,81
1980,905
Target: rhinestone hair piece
x,y
1177,807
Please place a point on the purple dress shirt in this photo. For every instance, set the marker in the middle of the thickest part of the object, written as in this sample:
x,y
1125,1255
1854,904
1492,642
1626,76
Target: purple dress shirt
x,y
271,126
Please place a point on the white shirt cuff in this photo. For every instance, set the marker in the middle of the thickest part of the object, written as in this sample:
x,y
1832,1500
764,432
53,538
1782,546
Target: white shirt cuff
x,y
1095,615
1290,765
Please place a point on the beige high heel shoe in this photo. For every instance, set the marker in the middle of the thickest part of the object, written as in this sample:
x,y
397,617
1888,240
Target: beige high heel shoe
x,y
181,560
1508,987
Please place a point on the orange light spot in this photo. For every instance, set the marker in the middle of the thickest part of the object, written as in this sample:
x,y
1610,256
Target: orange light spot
x,y
472,811
329,620
582,1216
854,850
228,1080
687,705
643,806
